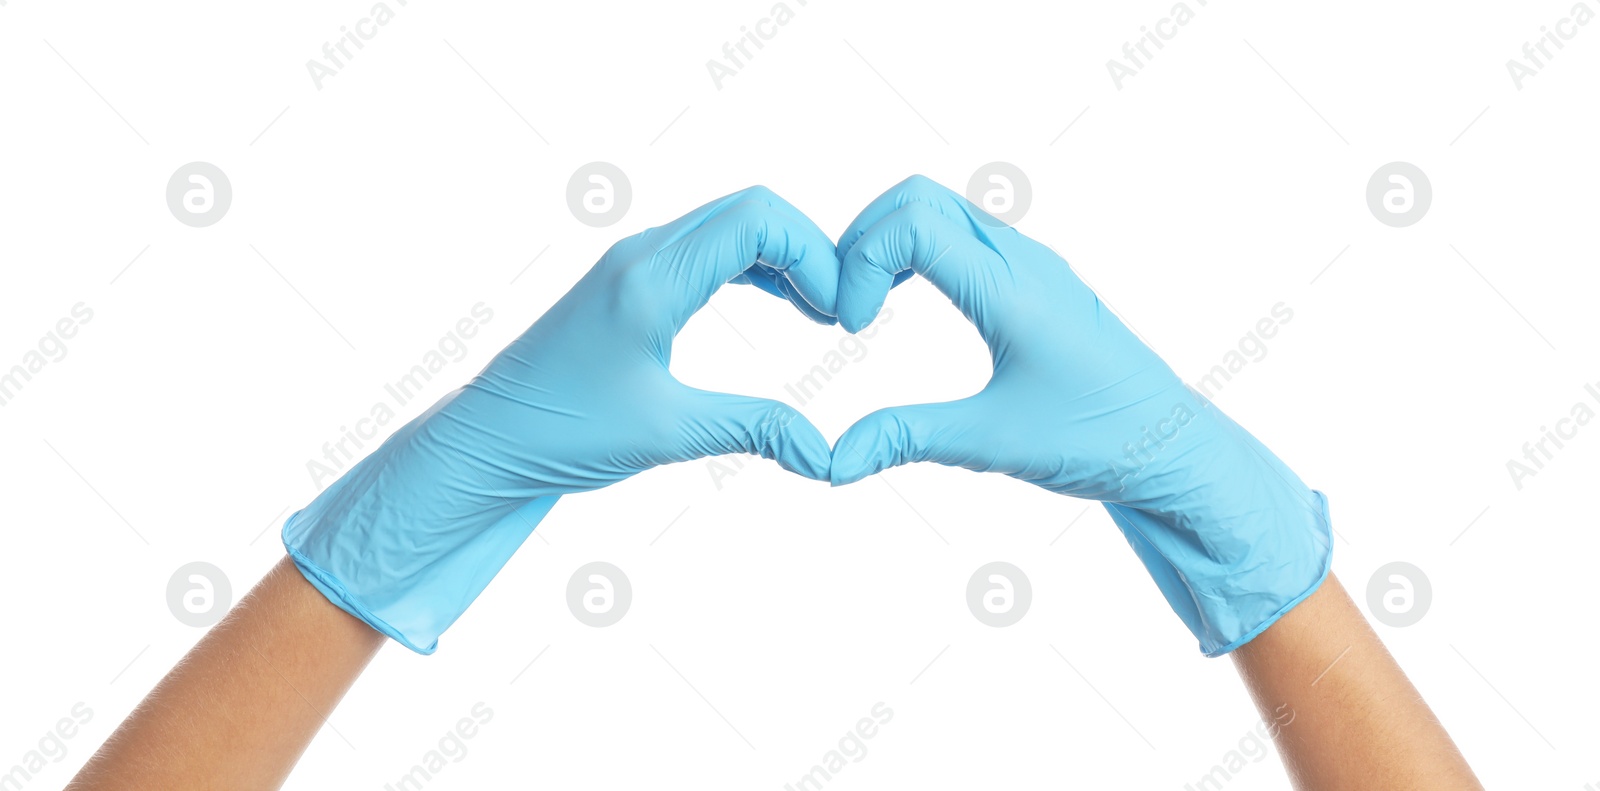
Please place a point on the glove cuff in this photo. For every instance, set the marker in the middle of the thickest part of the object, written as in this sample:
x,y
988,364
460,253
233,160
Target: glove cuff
x,y
411,602
1228,595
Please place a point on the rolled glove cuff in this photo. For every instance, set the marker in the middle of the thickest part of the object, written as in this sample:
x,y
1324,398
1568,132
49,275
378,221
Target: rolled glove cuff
x,y
1227,595
404,596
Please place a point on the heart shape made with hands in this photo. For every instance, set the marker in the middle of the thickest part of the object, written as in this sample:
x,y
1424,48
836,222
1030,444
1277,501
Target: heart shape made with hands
x,y
1076,403
1048,336
1063,367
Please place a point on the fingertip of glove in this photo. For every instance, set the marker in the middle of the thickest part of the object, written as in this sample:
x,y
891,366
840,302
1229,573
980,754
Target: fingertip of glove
x,y
849,463
818,466
802,449
855,323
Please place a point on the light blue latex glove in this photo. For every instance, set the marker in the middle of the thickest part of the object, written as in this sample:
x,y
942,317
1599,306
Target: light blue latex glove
x,y
412,534
1078,405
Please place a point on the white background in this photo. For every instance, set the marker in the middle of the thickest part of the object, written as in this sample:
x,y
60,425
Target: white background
x,y
1195,198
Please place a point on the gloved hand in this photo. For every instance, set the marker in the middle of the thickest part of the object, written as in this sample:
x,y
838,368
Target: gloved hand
x,y
1078,405
412,534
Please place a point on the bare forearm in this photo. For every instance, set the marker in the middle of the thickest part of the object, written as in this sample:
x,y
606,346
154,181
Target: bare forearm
x,y
241,707
1345,715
